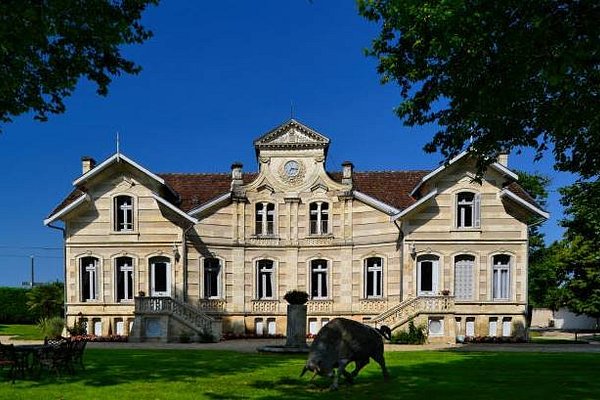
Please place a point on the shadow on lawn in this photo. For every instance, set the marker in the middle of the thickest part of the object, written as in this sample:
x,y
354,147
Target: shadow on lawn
x,y
450,375
415,375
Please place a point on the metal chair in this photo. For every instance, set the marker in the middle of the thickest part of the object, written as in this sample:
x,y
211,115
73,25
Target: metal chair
x,y
8,359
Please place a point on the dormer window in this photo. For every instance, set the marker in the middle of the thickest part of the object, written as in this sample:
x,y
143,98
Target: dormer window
x,y
467,210
265,218
319,218
123,207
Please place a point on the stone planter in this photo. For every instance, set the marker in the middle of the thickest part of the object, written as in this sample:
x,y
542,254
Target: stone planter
x,y
296,325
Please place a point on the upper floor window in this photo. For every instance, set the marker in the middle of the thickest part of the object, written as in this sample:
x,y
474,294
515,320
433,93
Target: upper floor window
x,y
501,277
467,210
373,277
318,279
123,207
265,218
212,278
319,218
124,278
265,279
88,278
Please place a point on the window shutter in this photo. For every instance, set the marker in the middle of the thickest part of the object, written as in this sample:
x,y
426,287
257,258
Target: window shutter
x,y
477,210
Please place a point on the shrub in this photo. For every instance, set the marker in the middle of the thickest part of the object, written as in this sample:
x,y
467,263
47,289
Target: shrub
x,y
52,327
78,329
414,335
296,297
14,308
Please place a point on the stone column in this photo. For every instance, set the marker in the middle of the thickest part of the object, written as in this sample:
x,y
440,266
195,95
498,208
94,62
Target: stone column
x,y
296,325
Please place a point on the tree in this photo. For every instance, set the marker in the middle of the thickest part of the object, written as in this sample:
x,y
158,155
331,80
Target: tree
x,y
47,46
581,256
496,75
46,301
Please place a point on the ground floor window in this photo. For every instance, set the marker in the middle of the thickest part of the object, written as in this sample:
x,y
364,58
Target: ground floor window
x,y
470,327
436,326
506,327
493,324
124,278
318,279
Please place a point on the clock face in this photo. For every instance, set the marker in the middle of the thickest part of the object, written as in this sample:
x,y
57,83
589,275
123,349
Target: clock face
x,y
292,168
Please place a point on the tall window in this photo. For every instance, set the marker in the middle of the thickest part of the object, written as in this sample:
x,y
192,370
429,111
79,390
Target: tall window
x,y
319,218
318,279
160,276
124,278
501,277
88,276
212,278
265,217
373,277
265,279
427,275
123,208
464,269
467,210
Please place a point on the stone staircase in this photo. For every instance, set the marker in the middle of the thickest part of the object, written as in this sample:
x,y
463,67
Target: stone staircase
x,y
403,312
183,313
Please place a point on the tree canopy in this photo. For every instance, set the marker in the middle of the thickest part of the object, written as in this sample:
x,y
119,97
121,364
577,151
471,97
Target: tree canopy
x,y
496,75
580,258
46,300
47,46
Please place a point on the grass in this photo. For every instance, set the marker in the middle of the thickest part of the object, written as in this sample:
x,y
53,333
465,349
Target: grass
x,y
197,374
22,332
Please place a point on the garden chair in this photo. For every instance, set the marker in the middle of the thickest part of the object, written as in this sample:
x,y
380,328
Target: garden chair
x,y
77,350
55,357
8,359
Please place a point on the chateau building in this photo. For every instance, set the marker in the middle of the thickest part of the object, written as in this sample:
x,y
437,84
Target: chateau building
x,y
155,256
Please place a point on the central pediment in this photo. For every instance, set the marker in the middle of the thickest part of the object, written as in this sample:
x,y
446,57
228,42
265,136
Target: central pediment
x,y
292,135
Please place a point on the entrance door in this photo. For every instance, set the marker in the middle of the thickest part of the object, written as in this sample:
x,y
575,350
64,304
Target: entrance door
x,y
160,277
428,275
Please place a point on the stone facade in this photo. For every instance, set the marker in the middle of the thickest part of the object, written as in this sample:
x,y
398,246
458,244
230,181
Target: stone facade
x,y
165,256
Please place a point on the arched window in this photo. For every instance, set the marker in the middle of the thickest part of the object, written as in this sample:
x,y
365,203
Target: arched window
x,y
319,218
501,277
427,275
468,210
124,278
88,278
318,279
464,271
373,277
212,278
265,218
265,279
160,276
123,210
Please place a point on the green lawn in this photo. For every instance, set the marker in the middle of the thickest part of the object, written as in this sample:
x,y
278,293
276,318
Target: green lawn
x,y
22,332
195,374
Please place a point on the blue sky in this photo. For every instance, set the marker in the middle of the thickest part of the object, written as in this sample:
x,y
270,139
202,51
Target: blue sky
x,y
216,75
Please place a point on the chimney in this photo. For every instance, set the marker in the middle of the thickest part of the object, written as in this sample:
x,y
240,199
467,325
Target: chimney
x,y
236,175
347,168
87,163
503,158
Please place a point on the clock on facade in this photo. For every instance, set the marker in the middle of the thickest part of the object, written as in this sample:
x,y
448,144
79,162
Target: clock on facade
x,y
292,168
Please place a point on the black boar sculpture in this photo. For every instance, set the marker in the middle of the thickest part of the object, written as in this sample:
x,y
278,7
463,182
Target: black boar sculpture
x,y
341,342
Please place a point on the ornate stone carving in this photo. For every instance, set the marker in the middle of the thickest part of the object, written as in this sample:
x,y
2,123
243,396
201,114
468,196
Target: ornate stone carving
x,y
265,306
292,177
373,305
212,305
320,306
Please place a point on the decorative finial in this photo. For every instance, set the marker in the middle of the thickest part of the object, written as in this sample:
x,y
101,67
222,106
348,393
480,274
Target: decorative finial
x,y
118,150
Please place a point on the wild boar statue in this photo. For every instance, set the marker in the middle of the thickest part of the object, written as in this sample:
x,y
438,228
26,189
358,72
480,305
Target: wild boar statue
x,y
341,342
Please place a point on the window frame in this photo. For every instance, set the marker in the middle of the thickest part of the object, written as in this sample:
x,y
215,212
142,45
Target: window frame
x,y
321,224
96,278
474,207
456,260
324,282
497,280
152,274
261,225
366,268
272,279
435,274
219,278
116,214
126,289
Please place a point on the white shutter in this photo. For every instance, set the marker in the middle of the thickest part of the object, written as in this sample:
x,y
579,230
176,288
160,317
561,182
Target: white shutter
x,y
477,210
